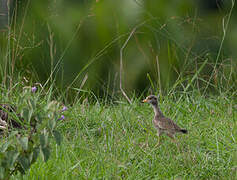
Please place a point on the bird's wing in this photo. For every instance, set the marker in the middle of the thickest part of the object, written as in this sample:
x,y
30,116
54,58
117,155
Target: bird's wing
x,y
166,123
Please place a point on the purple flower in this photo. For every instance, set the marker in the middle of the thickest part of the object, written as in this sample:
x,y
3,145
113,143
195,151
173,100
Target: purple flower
x,y
34,89
61,118
64,108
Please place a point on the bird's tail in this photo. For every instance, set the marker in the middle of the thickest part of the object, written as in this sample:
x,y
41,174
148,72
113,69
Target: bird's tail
x,y
184,131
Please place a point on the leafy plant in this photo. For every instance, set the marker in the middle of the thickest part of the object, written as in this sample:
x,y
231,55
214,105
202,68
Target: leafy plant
x,y
21,147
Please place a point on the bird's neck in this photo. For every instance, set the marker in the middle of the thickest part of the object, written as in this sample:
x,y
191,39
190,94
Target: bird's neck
x,y
157,110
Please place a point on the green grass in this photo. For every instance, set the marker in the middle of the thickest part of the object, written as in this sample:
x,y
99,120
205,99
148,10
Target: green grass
x,y
117,141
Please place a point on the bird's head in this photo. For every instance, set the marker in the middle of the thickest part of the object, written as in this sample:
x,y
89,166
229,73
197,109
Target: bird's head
x,y
152,99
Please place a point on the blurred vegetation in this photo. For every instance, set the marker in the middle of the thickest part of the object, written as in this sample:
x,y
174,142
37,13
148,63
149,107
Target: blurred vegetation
x,y
177,45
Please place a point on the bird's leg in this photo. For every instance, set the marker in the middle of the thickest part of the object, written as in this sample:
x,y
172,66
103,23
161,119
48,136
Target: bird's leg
x,y
173,140
158,143
158,136
172,137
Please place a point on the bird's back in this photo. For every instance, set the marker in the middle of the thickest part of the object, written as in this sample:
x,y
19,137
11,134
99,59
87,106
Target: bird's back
x,y
166,123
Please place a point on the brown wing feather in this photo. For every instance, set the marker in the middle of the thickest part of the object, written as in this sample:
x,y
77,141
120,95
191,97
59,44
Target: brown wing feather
x,y
166,123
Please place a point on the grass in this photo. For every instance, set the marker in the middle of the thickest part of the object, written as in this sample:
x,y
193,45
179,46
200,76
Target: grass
x,y
117,141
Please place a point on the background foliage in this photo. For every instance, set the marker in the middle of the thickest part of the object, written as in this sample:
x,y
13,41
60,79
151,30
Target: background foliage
x,y
77,44
37,121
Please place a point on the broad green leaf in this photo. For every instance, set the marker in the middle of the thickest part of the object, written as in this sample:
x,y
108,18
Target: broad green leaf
x,y
46,153
13,134
52,124
30,115
24,142
25,113
58,137
38,118
11,158
32,103
2,172
5,146
43,140
35,154
24,162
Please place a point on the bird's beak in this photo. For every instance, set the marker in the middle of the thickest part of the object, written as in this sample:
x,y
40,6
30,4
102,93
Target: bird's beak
x,y
145,100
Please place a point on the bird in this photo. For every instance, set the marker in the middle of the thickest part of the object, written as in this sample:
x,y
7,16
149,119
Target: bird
x,y
163,124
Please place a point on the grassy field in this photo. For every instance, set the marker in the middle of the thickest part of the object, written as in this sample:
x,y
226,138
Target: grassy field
x,y
105,139
117,141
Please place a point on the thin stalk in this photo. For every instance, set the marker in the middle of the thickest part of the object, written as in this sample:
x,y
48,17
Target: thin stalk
x,y
121,60
225,27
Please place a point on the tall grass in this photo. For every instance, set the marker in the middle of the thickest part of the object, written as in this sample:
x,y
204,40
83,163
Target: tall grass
x,y
180,69
118,142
